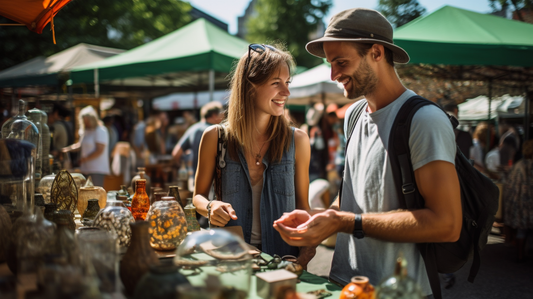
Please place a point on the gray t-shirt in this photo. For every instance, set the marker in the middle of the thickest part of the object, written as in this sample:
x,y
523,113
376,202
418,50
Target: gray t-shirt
x,y
191,140
368,187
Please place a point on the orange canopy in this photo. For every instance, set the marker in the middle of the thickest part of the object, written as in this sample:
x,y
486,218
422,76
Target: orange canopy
x,y
35,14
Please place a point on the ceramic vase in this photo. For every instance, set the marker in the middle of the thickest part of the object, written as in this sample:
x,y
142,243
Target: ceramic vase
x,y
49,210
5,233
92,192
92,209
168,225
116,218
140,203
138,258
190,215
359,288
60,215
160,283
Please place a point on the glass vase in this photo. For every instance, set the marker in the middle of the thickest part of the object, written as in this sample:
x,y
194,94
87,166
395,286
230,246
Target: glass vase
x,y
116,218
190,215
168,225
399,285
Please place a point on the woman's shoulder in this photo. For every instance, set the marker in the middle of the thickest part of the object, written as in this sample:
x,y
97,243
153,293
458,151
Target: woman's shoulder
x,y
300,137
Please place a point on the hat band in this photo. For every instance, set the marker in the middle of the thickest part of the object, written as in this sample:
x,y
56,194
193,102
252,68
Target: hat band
x,y
350,33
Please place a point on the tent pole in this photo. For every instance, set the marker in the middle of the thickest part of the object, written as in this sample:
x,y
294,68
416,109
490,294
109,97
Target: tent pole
x,y
526,114
96,84
487,144
211,84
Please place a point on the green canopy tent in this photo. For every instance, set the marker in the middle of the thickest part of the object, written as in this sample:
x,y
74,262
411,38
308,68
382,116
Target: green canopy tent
x,y
196,57
458,44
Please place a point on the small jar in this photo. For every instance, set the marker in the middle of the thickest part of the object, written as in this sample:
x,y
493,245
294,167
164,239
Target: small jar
x,y
190,215
359,288
116,218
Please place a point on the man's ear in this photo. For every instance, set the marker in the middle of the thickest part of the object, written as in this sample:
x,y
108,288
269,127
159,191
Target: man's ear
x,y
377,52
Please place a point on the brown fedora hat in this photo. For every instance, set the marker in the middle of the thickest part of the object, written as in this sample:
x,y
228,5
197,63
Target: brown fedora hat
x,y
359,25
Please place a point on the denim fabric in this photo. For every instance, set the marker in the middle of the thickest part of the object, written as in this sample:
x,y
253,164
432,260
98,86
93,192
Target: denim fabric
x,y
277,197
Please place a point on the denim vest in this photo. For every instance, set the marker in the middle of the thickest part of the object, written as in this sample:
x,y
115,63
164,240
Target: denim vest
x,y
277,197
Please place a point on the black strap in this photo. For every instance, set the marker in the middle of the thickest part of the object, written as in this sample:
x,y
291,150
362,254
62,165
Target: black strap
x,y
403,173
352,121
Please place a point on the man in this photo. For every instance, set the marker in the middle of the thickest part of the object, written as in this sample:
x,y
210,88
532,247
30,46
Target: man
x,y
463,138
373,231
211,114
61,131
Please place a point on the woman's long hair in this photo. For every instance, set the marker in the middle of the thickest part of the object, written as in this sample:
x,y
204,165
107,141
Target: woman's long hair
x,y
240,121
88,111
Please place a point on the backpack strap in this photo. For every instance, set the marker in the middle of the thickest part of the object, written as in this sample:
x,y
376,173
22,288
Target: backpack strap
x,y
402,170
352,121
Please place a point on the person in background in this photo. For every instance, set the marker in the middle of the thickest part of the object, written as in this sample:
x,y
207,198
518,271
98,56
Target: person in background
x,y
372,228
211,114
60,130
93,144
518,199
462,138
477,151
138,142
109,122
510,149
266,171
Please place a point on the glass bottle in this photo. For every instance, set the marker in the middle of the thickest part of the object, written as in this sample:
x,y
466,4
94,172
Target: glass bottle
x,y
175,192
140,203
34,115
6,127
47,167
190,215
399,285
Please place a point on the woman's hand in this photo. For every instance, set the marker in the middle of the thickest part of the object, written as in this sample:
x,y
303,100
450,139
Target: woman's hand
x,y
221,213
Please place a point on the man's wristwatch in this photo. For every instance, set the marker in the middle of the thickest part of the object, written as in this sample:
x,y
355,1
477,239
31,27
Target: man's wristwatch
x,y
358,227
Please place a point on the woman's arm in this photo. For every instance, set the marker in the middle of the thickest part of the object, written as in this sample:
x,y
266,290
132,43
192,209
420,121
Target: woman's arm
x,y
221,212
301,185
72,148
301,165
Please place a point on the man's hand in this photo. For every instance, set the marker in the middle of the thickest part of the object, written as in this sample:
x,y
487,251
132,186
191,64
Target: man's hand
x,y
221,213
299,228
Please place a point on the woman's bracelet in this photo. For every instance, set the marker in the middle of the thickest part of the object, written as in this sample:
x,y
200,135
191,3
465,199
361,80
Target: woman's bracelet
x,y
209,213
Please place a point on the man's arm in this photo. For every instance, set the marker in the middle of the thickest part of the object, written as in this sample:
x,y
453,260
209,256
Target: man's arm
x,y
439,221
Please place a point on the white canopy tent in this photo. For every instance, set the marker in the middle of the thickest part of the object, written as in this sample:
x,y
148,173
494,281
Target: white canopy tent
x,y
314,85
188,100
506,106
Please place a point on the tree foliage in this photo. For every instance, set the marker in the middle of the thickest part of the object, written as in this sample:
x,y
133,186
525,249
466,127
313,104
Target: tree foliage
x,y
400,12
119,24
516,5
290,22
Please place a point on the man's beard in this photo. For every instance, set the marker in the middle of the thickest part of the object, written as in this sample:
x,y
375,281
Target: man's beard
x,y
363,81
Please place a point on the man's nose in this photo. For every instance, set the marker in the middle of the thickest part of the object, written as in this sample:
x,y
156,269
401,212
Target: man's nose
x,y
334,74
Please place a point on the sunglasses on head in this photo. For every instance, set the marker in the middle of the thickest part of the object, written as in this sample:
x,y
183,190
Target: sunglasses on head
x,y
259,48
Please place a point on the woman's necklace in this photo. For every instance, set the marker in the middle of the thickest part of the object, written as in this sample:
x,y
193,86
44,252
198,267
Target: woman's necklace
x,y
258,156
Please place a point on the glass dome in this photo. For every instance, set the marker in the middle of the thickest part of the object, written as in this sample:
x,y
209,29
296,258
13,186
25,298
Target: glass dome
x,y
216,257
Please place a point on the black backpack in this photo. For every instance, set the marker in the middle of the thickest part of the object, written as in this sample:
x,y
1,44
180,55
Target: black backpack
x,y
479,197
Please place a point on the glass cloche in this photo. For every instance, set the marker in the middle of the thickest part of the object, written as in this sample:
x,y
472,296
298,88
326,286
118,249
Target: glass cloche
x,y
215,258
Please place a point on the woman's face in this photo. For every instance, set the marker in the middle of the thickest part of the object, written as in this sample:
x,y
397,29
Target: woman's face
x,y
272,96
88,123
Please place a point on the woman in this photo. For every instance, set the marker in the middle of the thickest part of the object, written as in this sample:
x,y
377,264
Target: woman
x,y
263,177
93,143
478,148
518,198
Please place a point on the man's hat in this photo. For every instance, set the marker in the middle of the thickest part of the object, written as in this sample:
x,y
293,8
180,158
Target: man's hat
x,y
359,25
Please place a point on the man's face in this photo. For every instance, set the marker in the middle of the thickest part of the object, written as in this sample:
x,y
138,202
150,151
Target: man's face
x,y
350,69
